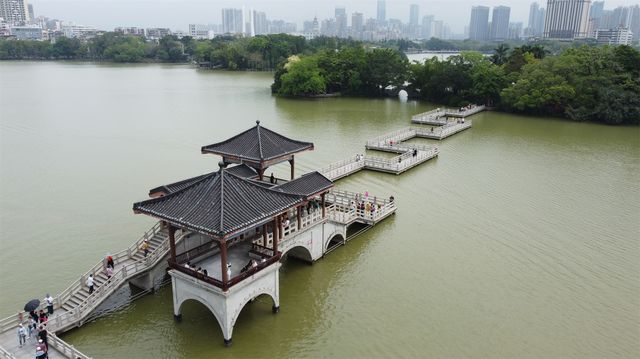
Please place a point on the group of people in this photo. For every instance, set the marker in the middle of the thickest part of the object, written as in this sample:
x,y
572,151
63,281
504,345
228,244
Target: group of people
x,y
36,328
198,270
359,157
251,265
467,107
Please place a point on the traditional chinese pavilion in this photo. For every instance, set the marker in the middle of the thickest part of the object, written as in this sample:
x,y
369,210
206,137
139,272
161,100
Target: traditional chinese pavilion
x,y
231,223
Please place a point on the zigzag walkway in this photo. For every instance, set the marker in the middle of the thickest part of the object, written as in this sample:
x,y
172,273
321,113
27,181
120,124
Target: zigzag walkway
x,y
75,304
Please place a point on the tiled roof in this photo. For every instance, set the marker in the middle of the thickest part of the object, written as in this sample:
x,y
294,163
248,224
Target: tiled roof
x,y
257,144
306,185
243,171
218,204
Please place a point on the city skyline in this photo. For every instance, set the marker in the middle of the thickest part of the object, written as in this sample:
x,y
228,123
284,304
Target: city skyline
x,y
179,14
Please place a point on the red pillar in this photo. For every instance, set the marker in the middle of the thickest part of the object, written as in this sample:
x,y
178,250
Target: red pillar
x,y
223,264
264,234
275,230
172,243
292,163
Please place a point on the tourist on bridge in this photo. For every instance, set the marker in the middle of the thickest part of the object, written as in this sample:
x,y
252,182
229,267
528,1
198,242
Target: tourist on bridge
x,y
43,317
49,299
109,260
42,334
22,335
33,326
145,247
41,351
109,272
90,283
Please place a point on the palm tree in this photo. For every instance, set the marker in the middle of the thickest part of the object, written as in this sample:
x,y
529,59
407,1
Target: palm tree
x,y
499,56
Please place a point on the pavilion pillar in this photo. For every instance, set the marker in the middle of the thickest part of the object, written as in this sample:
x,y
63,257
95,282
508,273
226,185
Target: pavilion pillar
x,y
275,245
172,242
264,234
261,172
299,215
223,264
275,229
323,206
292,163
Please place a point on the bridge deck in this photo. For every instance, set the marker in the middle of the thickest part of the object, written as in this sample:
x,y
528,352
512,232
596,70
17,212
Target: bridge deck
x,y
439,117
74,304
439,133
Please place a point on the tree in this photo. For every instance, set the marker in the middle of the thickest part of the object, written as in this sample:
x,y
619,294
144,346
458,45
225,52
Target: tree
x,y
385,67
499,56
302,78
538,91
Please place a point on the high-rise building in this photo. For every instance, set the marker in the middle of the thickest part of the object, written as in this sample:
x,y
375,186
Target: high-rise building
x,y
437,29
14,11
232,21
414,14
357,22
260,23
382,11
515,30
426,26
500,23
341,21
32,15
567,19
634,26
479,24
621,17
596,10
536,20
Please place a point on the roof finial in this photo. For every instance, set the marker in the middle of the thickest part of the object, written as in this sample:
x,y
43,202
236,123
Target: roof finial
x,y
258,122
222,165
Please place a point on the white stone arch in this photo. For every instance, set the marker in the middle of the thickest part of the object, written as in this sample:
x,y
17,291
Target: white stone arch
x,y
202,301
297,247
333,236
239,308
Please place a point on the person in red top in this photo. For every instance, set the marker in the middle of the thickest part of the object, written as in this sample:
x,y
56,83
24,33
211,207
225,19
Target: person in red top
x,y
109,261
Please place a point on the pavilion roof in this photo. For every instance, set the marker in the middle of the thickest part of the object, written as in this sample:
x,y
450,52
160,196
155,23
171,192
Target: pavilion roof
x,y
258,144
242,170
306,185
218,204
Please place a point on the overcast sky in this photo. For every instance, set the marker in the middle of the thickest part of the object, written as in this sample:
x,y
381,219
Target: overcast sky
x,y
177,14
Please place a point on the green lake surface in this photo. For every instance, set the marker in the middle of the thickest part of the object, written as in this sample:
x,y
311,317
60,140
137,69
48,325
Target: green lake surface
x,y
521,240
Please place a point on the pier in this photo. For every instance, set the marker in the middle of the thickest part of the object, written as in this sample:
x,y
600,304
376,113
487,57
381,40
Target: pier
x,y
442,116
242,241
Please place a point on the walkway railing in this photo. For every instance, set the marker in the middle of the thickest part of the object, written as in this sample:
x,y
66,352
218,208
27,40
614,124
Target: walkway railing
x,y
64,348
123,273
349,207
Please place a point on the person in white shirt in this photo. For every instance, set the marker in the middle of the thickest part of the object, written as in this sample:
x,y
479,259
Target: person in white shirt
x,y
90,283
49,299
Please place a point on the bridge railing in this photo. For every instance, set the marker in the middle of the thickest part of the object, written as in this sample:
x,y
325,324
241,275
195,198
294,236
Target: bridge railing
x,y
4,354
396,136
64,348
76,315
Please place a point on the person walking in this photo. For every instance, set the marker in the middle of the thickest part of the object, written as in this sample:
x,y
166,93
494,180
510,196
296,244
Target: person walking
x,y
43,336
49,299
33,326
90,283
41,351
109,261
145,247
22,335
109,272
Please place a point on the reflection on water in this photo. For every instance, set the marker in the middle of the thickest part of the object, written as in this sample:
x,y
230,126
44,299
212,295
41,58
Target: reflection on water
x,y
520,240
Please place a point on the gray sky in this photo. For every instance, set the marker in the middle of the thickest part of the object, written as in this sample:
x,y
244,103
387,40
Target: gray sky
x,y
177,14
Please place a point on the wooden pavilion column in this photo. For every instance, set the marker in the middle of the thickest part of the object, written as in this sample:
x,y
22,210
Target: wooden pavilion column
x,y
275,230
172,242
275,244
299,215
292,163
264,234
223,264
323,207
261,173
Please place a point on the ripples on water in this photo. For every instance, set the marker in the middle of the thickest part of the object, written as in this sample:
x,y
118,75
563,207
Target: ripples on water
x,y
520,240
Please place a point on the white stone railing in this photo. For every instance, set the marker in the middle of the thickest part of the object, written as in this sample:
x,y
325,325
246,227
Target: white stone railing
x,y
64,348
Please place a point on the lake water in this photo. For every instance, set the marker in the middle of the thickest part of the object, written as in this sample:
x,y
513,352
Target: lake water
x,y
522,239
